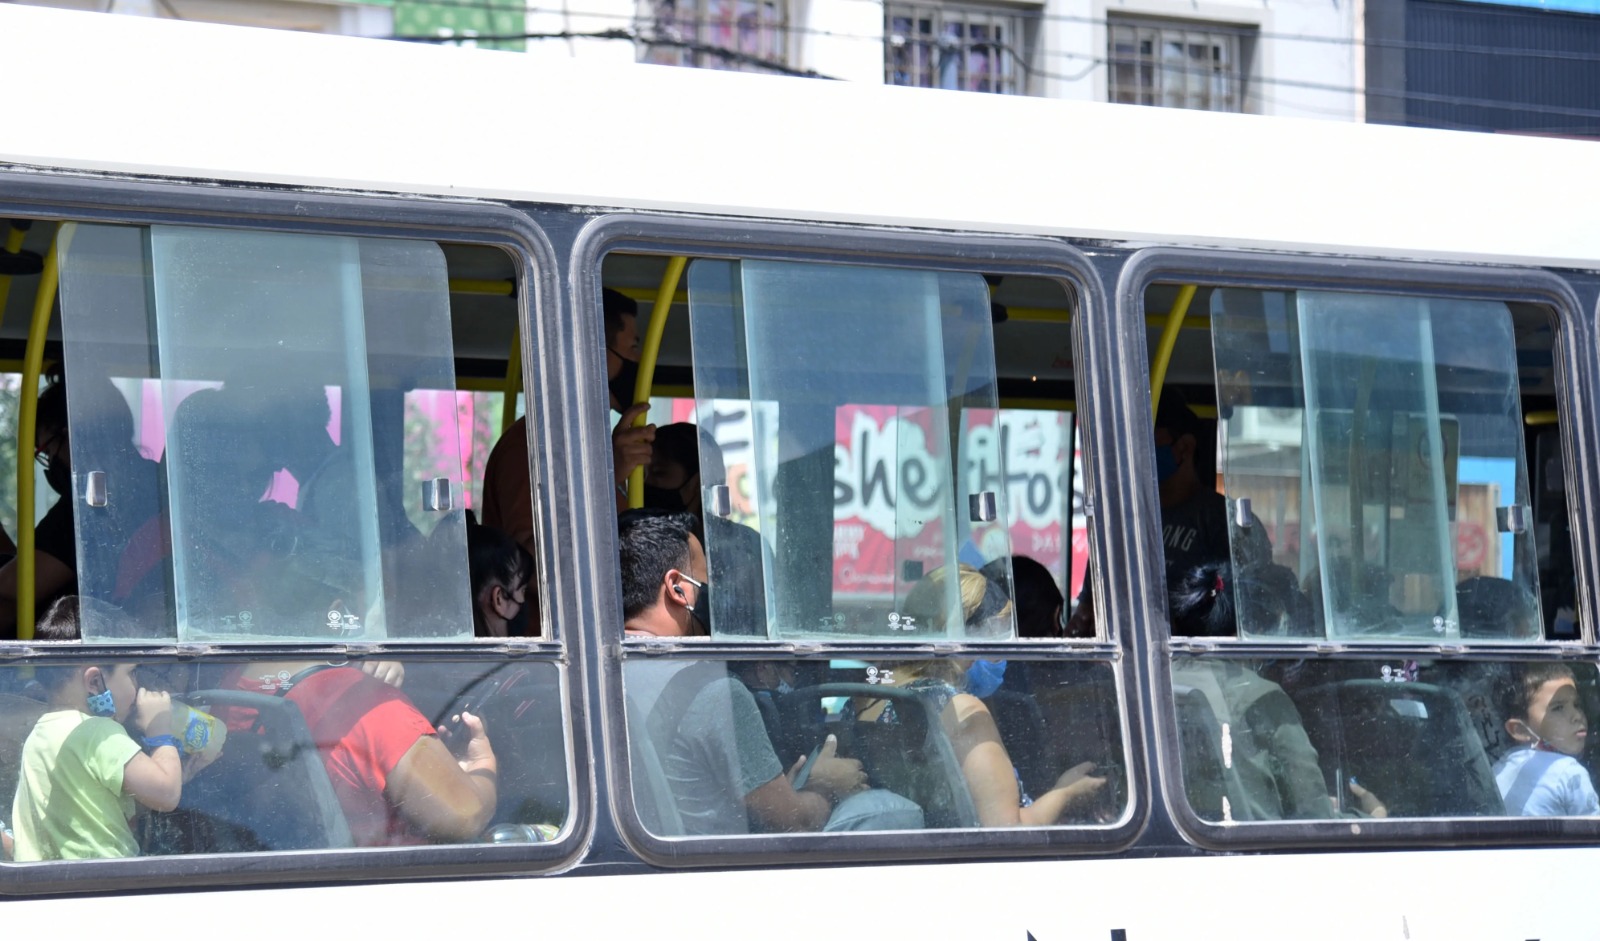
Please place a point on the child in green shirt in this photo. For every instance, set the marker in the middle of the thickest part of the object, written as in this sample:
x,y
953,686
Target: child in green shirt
x,y
82,773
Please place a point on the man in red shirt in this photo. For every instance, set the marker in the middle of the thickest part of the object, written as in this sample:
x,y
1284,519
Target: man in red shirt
x,y
395,779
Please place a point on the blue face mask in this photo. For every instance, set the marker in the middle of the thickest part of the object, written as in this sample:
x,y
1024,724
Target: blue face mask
x,y
103,704
1166,462
985,676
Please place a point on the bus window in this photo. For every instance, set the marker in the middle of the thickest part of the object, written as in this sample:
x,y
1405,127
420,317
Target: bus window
x,y
269,446
908,354
880,743
282,755
1380,442
1373,451
858,409
272,372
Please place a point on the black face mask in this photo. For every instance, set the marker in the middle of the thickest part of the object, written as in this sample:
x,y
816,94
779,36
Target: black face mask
x,y
664,498
701,609
622,385
58,474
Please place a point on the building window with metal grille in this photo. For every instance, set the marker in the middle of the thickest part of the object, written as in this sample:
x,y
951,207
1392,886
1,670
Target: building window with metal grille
x,y
969,48
741,35
1179,65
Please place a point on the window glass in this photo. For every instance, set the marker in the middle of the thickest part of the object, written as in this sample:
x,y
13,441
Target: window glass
x,y
859,384
710,742
1043,492
431,415
1397,737
288,755
1374,446
270,500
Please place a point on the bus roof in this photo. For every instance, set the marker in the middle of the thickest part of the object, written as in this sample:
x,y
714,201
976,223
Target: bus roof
x,y
191,100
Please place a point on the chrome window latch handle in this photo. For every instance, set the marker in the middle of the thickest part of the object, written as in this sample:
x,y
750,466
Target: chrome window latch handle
x,y
436,495
719,500
1513,519
94,489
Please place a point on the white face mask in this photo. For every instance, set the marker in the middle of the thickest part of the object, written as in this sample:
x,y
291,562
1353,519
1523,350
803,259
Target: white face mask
x,y
1538,741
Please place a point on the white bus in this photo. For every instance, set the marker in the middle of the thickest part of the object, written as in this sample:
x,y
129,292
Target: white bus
x,y
1309,631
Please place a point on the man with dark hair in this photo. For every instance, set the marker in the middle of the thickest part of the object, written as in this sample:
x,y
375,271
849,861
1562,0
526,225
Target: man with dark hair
x,y
664,578
702,722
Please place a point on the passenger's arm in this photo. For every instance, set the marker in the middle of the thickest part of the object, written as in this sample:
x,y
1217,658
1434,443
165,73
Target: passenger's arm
x,y
1074,786
991,779
444,797
50,577
778,807
630,448
1368,802
155,780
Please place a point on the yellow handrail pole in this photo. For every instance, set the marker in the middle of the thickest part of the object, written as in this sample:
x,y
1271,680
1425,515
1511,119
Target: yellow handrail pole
x,y
486,287
1169,339
647,361
508,408
27,429
14,237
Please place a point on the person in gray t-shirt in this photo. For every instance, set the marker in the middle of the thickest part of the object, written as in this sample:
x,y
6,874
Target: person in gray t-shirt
x,y
702,724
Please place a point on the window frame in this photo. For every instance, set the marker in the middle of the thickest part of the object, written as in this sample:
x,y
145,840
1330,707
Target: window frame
x,y
1241,37
710,237
698,49
1023,20
97,199
1573,354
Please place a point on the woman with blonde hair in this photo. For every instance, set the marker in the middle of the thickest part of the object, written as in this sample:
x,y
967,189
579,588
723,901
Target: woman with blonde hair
x,y
990,776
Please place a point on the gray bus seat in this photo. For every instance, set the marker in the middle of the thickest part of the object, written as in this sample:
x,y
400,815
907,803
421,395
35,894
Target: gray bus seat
x,y
913,758
1411,744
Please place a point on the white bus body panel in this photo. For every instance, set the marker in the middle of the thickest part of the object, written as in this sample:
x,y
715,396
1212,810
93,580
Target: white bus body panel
x,y
167,98
1500,895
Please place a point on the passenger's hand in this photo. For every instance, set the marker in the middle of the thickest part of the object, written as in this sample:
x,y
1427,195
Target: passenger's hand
x,y
391,672
478,755
833,777
631,447
152,713
198,762
1368,802
1079,783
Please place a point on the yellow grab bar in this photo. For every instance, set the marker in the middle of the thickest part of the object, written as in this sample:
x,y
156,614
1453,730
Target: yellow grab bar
x,y
488,287
1169,339
14,237
647,361
508,407
27,432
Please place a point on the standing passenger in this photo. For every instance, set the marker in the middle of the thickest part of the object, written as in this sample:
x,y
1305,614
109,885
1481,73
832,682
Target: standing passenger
x,y
507,487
